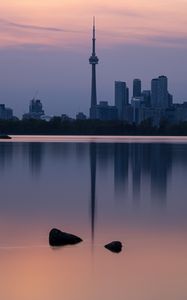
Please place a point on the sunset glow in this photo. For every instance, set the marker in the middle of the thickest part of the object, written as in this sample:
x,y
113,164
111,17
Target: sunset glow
x,y
66,23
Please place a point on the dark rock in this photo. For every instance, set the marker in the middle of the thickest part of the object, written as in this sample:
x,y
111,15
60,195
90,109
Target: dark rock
x,y
58,238
115,246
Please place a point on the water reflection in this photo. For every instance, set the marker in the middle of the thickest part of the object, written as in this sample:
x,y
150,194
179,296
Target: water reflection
x,y
105,155
138,168
81,151
93,153
152,160
161,164
36,156
121,168
136,162
6,152
121,186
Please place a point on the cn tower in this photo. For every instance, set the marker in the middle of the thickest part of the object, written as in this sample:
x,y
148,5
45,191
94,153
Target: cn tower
x,y
93,61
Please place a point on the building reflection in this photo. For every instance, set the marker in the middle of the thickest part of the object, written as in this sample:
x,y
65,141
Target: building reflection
x,y
6,154
136,164
138,168
143,167
93,158
81,151
144,160
121,168
161,163
105,154
36,156
60,151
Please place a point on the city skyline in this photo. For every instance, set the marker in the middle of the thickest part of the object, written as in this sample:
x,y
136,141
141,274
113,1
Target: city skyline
x,y
121,100
45,49
155,105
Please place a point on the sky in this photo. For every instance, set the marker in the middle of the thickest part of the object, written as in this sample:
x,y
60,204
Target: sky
x,y
45,46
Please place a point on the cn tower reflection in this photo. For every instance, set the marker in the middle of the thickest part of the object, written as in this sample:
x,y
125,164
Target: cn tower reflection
x,y
93,157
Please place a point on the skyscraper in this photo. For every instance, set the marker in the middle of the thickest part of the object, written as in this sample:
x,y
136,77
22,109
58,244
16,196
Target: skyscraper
x,y
35,110
36,107
121,98
154,92
163,92
146,94
5,112
159,92
93,61
137,88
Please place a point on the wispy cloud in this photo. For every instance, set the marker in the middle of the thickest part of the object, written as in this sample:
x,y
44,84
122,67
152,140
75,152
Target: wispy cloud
x,y
17,34
34,27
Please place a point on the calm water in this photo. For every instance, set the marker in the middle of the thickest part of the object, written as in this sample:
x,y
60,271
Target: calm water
x,y
102,189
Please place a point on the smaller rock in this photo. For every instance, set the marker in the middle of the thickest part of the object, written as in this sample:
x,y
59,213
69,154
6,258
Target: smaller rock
x,y
114,246
58,238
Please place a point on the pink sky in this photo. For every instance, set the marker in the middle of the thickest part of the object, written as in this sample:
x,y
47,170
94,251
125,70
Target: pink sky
x,y
66,23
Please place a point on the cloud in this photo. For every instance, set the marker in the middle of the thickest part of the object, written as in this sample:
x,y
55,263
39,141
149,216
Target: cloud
x,y
34,27
20,34
15,34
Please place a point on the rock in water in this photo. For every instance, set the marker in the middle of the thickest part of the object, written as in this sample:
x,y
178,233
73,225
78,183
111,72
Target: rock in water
x,y
115,246
58,238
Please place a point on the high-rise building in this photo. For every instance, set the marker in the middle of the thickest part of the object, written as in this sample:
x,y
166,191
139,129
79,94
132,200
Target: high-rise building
x,y
170,100
146,94
127,96
159,92
35,110
36,107
106,112
137,107
137,88
93,61
154,92
163,92
121,98
5,112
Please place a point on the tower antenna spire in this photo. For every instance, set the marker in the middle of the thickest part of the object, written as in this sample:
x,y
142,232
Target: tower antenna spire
x,y
94,38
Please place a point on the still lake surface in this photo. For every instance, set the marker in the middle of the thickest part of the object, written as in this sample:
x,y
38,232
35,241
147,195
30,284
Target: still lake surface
x,y
132,189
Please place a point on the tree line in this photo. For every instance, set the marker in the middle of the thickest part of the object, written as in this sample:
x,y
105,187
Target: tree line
x,y
57,126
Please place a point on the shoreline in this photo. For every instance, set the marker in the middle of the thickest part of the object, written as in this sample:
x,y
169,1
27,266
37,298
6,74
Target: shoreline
x,y
96,139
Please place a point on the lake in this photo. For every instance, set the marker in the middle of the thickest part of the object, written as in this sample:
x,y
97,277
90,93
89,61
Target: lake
x,y
132,189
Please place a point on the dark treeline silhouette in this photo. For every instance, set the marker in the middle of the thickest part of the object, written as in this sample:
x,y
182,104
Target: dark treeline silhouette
x,y
89,127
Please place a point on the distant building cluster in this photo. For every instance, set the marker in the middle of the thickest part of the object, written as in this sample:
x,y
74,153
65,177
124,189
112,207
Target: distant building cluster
x,y
35,110
5,112
155,104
